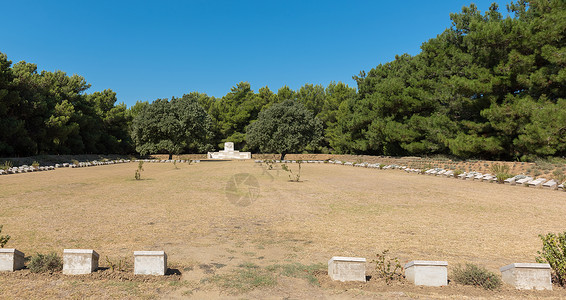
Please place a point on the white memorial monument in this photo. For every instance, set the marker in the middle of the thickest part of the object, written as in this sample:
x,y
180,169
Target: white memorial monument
x,y
229,153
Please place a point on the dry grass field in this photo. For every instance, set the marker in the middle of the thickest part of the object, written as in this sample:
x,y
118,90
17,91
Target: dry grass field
x,y
221,242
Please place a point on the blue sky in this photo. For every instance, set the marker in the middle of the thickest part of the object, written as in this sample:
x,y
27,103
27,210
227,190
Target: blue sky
x,y
144,50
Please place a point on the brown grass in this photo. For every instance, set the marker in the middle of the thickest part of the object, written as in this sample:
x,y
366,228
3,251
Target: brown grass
x,y
334,211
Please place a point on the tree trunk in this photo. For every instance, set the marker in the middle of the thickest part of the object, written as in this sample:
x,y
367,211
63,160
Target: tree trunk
x,y
170,156
283,156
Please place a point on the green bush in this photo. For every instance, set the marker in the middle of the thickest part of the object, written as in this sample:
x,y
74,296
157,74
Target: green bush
x,y
137,175
7,164
476,276
457,172
501,172
559,176
554,253
41,263
3,238
292,176
388,268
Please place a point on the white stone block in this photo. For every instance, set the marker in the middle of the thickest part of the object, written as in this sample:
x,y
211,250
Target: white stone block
x,y
79,261
11,260
150,262
427,273
527,276
347,268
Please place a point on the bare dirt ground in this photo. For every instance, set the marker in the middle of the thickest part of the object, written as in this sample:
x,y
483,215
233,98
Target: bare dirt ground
x,y
229,236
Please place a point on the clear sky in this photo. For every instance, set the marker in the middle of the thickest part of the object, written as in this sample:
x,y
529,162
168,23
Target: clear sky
x,y
144,50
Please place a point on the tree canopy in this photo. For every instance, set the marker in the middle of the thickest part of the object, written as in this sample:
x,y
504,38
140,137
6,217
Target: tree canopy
x,y
171,127
285,127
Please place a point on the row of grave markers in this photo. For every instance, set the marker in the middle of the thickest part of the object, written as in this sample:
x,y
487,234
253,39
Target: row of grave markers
x,y
85,261
29,169
523,180
419,272
523,276
516,180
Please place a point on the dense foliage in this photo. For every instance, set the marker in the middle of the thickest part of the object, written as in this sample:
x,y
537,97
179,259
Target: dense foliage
x,y
171,127
487,87
286,127
49,113
554,253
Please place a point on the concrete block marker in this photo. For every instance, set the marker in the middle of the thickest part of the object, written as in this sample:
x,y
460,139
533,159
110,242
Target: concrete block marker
x,y
527,276
427,273
79,261
11,260
150,262
347,268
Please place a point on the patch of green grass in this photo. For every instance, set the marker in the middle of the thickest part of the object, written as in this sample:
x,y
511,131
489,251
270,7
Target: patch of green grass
x,y
246,277
130,287
298,270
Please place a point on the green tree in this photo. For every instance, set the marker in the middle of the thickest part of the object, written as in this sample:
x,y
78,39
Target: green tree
x,y
233,113
171,127
284,128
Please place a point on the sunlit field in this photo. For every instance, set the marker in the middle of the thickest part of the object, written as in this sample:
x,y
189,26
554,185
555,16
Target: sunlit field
x,y
212,218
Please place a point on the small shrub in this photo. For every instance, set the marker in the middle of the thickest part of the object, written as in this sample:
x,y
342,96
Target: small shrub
x,y
554,253
35,164
41,263
457,172
270,163
3,238
139,170
537,173
388,268
476,276
501,172
75,162
292,176
559,176
7,164
119,265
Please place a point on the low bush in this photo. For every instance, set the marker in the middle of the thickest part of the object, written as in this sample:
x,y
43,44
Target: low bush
x,y
554,253
292,176
388,268
477,276
3,238
7,164
457,172
44,263
501,172
137,176
559,176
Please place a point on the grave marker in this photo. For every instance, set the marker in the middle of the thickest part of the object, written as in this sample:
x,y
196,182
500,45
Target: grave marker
x,y
347,268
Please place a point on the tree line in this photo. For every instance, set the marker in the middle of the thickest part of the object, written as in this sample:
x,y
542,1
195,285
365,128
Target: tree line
x,y
489,87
